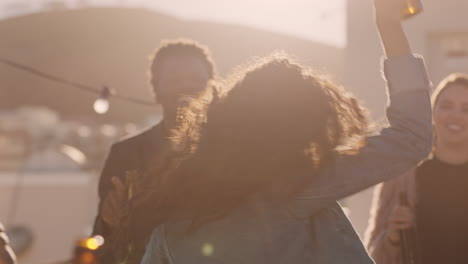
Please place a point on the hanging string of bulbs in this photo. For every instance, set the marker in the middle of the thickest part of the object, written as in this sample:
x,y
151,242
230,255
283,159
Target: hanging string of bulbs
x,y
101,104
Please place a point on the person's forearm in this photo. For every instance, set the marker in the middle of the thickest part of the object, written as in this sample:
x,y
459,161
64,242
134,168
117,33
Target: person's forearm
x,y
393,38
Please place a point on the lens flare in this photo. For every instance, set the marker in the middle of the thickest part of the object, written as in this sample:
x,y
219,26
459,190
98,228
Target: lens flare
x,y
207,250
93,243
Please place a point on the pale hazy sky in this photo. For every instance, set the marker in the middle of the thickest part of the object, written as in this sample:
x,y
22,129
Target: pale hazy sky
x,y
321,20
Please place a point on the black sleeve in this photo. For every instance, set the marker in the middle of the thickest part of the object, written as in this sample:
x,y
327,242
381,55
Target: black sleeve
x,y
113,166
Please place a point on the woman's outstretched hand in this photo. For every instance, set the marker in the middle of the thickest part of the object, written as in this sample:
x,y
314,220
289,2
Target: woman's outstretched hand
x,y
388,17
388,10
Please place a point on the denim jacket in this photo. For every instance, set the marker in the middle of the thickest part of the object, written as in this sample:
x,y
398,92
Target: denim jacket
x,y
313,228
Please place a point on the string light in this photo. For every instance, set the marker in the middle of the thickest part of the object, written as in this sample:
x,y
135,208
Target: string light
x,y
101,105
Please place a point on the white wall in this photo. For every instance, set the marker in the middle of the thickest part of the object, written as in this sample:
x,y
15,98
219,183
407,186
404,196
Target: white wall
x,y
59,208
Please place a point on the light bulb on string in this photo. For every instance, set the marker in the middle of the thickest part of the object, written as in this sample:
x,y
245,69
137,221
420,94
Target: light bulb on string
x,y
101,105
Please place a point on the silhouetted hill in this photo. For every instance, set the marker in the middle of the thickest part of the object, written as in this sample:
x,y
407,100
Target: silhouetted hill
x,y
110,46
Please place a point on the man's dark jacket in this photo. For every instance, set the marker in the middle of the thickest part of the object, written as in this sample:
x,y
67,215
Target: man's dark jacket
x,y
134,153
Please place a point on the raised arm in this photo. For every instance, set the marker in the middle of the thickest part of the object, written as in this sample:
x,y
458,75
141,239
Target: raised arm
x,y
397,148
388,21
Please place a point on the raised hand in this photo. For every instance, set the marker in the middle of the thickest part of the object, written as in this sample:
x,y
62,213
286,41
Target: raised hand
x,y
112,207
386,10
388,16
401,218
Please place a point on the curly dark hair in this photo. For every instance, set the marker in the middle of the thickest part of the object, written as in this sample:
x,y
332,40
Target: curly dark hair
x,y
275,119
179,48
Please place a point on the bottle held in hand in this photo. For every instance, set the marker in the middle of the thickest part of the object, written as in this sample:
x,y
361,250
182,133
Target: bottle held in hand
x,y
413,7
